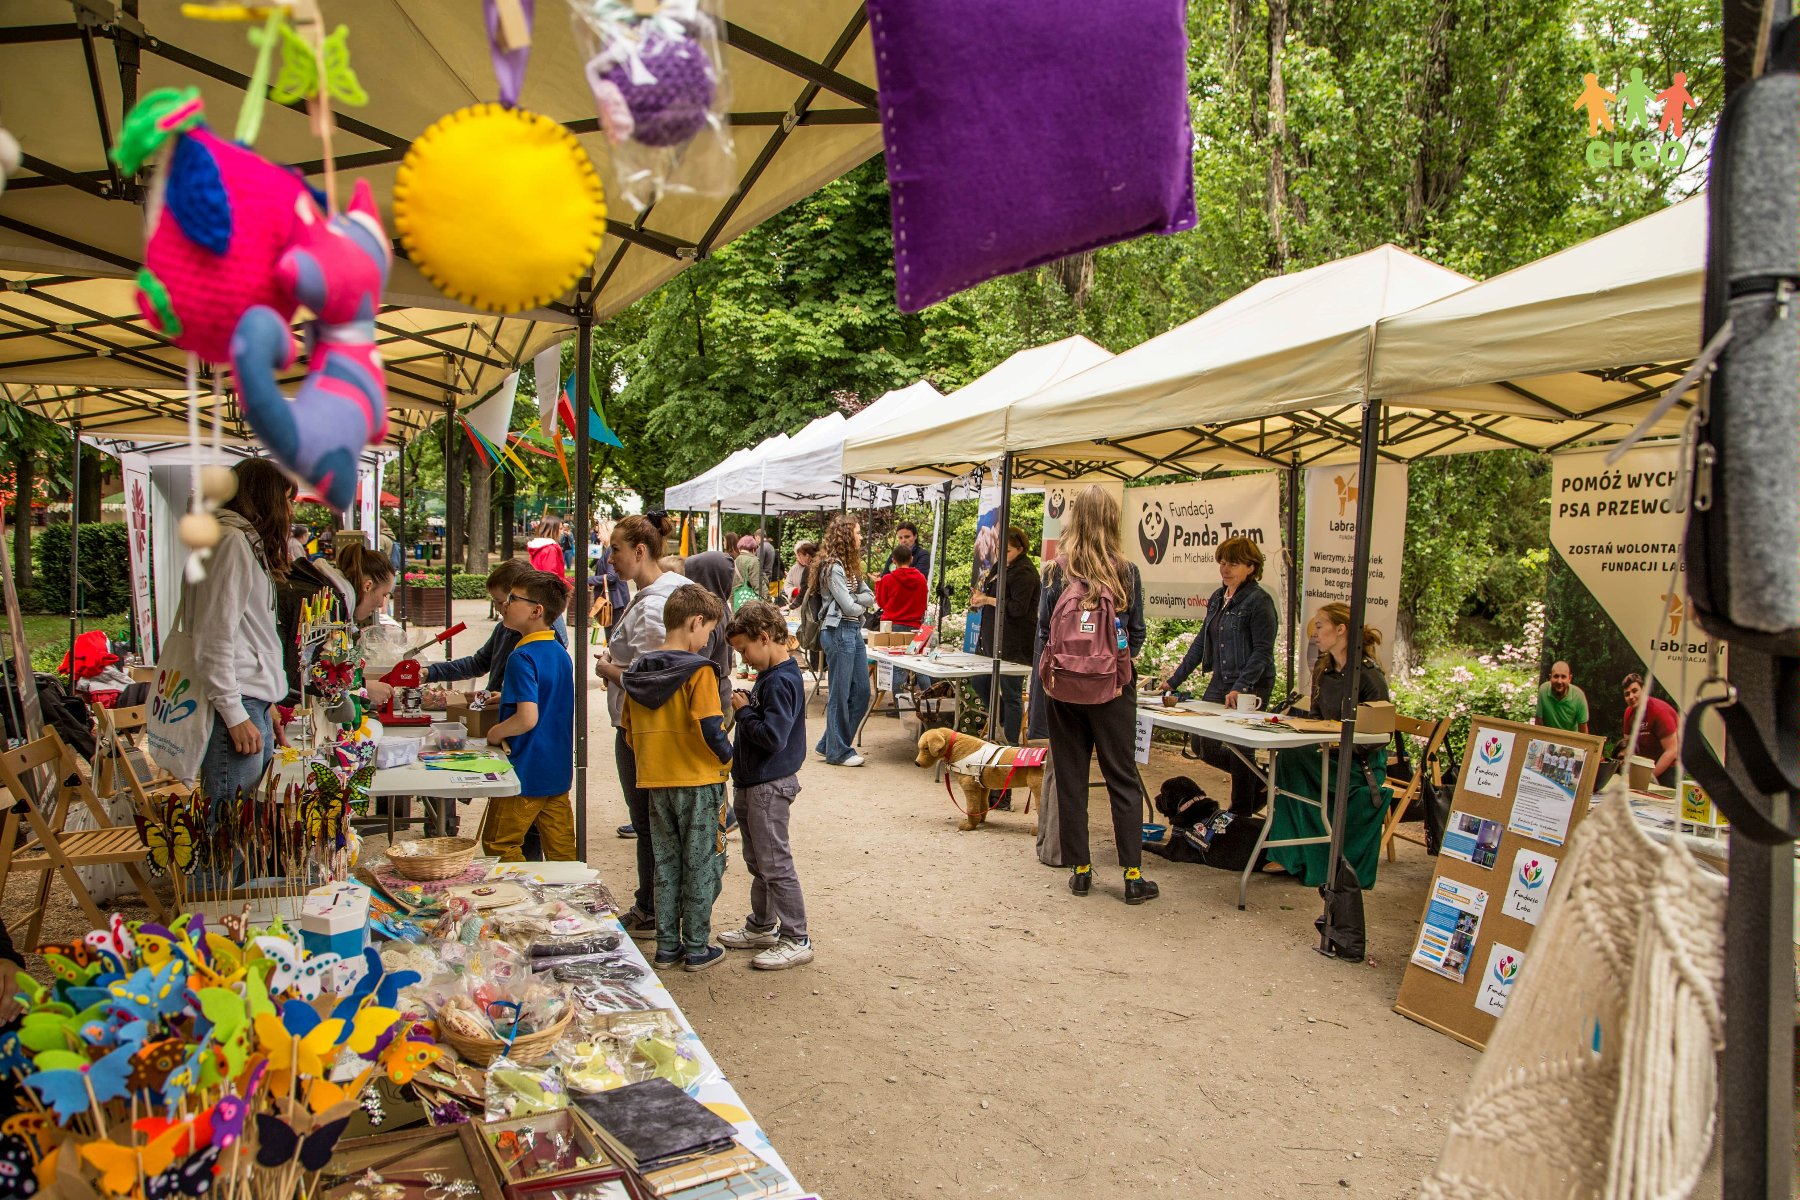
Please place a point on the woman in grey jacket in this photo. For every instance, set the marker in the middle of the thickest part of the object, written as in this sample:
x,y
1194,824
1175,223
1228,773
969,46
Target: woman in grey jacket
x,y
837,575
238,656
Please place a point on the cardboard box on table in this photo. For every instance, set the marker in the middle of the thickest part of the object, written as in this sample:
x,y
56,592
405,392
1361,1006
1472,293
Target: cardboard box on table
x,y
1516,886
477,720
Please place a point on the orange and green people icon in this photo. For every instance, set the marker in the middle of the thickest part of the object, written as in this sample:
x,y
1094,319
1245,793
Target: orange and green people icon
x,y
1635,99
1595,98
1675,98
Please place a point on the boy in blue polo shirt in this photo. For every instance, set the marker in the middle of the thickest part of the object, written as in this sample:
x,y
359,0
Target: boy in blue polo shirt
x,y
537,726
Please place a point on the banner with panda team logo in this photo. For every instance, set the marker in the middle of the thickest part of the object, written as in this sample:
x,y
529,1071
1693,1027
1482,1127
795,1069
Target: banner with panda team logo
x,y
1172,532
1331,549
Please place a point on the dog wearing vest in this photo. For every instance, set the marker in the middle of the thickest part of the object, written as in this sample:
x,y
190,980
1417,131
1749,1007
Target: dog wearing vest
x,y
981,767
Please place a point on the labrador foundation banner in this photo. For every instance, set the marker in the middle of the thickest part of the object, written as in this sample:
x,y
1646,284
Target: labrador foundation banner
x,y
1331,499
1617,529
1172,533
1057,498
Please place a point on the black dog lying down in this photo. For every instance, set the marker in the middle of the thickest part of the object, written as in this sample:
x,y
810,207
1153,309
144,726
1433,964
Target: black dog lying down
x,y
1199,832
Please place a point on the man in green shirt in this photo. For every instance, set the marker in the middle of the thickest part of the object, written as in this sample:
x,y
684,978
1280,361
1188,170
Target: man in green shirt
x,y
1560,704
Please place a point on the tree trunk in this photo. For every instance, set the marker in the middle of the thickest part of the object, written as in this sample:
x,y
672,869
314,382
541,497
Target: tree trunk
x,y
25,475
481,516
1441,160
93,467
509,510
1075,274
1280,248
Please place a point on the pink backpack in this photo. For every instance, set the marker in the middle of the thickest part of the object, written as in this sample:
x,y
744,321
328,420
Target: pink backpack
x,y
1084,661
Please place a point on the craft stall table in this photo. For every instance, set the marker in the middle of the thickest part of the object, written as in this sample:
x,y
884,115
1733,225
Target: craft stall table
x,y
1227,726
436,788
947,664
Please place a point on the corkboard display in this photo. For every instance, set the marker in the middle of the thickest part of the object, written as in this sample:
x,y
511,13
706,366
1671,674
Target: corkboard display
x,y
1522,792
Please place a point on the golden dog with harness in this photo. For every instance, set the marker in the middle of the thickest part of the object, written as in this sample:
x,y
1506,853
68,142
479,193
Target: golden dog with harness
x,y
982,767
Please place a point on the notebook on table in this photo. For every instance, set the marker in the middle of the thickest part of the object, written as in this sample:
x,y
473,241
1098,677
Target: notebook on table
x,y
655,1124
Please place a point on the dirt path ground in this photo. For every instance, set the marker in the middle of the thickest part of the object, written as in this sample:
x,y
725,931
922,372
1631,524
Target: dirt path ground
x,y
971,1029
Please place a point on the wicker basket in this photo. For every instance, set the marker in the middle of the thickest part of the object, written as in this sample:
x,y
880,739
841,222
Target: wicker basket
x,y
440,858
526,1048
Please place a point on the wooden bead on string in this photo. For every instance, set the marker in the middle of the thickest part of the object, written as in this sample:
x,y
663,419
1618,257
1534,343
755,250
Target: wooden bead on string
x,y
199,531
218,484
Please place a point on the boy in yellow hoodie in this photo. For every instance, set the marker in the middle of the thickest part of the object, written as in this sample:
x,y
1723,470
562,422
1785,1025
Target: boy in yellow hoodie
x,y
676,729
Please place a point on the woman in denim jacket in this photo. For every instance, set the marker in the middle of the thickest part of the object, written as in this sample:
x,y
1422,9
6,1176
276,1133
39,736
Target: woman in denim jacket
x,y
1237,645
837,575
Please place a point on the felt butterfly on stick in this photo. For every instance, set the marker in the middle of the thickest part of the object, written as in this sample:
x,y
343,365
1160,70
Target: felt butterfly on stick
x,y
299,77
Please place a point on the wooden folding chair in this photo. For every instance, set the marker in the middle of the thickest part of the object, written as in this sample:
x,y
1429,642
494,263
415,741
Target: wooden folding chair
x,y
119,760
51,848
1434,733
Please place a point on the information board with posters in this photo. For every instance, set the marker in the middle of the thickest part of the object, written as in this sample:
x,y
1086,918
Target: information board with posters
x,y
1331,499
1618,528
1172,533
1512,814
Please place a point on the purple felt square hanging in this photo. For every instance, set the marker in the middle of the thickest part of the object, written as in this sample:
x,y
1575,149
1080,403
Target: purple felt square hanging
x,y
1021,131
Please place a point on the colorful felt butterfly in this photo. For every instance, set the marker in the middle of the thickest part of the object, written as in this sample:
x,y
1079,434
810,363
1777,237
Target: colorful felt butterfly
x,y
365,1029
193,1177
286,959
230,1018
312,1139
74,963
322,1094
32,1127
152,994
315,975
63,1079
297,1043
403,1059
172,839
119,1165
152,1062
189,1075
12,1053
155,945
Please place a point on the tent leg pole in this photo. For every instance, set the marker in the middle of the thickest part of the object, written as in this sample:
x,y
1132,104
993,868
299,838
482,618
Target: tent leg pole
x,y
584,360
943,585
1294,563
75,554
400,536
999,609
450,513
844,495
1359,603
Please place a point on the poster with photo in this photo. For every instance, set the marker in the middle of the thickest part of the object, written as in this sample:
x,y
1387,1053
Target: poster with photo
x,y
1489,757
1472,839
1545,798
1529,886
1452,923
1497,981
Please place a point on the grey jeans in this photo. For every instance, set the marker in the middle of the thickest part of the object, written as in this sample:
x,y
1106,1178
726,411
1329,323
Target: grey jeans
x,y
762,812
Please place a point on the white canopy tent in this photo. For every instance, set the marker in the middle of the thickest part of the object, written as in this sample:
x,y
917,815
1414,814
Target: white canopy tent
x,y
953,435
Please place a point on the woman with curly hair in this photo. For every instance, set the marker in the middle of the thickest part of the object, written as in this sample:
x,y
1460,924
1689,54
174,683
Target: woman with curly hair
x,y
844,595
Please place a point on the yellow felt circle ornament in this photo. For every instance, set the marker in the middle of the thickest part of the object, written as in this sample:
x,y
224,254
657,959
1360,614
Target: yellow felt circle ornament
x,y
499,207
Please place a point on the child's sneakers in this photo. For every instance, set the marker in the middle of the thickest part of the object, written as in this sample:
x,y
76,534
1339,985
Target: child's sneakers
x,y
704,959
639,925
785,953
666,959
750,937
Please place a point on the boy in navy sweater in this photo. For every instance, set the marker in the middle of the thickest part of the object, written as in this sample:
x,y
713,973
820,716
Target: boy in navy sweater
x,y
771,745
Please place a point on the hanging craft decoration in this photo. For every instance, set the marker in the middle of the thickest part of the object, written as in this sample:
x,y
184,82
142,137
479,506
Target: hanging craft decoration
x,y
499,207
337,269
220,217
657,72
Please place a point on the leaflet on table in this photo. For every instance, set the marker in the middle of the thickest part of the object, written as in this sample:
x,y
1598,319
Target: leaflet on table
x,y
1497,981
1529,886
1452,923
1472,839
1545,798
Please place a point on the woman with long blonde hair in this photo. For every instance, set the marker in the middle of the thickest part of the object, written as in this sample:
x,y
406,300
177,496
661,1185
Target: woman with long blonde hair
x,y
1300,774
844,595
1090,565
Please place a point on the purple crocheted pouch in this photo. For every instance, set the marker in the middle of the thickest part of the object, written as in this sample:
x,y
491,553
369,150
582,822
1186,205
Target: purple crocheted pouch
x,y
1021,131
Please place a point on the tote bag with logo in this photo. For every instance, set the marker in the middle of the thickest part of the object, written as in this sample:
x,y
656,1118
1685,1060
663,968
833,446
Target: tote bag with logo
x,y
181,713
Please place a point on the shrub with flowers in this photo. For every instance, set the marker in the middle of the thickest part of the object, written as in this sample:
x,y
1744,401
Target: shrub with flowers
x,y
1459,685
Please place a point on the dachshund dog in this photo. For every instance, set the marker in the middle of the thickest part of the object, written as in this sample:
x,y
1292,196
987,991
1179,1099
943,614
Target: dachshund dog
x,y
986,767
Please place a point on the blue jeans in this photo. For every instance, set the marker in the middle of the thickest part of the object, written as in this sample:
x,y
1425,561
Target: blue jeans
x,y
223,771
1012,703
847,678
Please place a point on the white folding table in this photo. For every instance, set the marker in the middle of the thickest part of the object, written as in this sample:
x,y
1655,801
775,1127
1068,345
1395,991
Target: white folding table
x,y
1228,727
949,664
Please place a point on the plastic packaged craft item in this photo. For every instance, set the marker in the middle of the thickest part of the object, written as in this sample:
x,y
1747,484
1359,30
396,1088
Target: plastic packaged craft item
x,y
516,1090
657,72
594,1066
604,943
597,968
606,998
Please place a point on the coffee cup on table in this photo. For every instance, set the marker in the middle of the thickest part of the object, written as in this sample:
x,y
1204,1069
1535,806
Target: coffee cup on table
x,y
1640,772
1248,702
